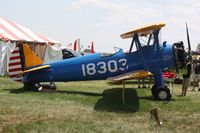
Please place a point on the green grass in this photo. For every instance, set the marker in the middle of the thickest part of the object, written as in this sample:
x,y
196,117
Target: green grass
x,y
94,106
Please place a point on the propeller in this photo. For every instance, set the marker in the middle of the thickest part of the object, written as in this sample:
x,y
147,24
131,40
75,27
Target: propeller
x,y
188,40
182,54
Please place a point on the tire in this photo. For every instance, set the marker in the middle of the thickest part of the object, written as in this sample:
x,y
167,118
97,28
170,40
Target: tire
x,y
162,94
52,86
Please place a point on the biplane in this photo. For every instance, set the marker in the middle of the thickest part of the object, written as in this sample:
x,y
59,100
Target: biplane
x,y
150,57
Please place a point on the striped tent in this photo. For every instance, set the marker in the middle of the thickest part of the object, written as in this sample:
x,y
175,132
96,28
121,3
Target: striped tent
x,y
13,34
15,65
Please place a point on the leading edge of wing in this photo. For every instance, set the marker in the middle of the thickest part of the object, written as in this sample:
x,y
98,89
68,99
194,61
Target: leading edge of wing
x,y
131,75
143,31
36,69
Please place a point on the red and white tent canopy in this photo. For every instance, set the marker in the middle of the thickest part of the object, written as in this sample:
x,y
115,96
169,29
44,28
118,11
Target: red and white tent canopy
x,y
15,32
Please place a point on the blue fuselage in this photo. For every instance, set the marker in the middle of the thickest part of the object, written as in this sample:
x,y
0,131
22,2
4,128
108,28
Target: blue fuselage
x,y
96,67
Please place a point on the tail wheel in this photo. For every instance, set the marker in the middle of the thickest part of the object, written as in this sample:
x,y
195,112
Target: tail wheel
x,y
52,86
162,93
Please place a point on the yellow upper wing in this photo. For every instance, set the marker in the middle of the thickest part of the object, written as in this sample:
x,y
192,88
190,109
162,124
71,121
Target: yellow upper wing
x,y
143,31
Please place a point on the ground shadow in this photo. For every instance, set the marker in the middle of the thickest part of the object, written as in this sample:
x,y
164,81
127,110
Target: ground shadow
x,y
120,82
149,98
134,82
112,101
79,93
22,90
17,91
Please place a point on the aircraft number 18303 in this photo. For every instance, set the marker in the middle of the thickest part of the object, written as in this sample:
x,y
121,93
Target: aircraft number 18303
x,y
103,67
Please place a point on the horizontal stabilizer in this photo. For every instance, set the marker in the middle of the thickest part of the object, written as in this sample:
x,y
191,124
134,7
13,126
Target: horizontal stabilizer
x,y
36,68
144,31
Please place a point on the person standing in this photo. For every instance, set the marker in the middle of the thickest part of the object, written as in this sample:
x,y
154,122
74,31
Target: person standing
x,y
186,77
197,74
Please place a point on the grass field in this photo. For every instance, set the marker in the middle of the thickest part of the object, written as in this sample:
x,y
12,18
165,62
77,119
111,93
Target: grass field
x,y
94,106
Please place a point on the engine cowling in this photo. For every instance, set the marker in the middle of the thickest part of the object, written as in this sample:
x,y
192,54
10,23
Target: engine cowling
x,y
180,54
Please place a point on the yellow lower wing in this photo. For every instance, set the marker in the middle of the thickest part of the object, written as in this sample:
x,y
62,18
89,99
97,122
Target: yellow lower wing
x,y
141,74
36,68
131,75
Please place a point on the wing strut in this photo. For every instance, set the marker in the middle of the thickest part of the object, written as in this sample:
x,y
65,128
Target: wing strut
x,y
156,39
132,43
136,41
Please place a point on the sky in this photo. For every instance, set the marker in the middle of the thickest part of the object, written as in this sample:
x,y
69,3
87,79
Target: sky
x,y
102,21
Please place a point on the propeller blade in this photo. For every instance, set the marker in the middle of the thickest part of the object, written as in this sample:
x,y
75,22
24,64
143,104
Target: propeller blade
x,y
188,38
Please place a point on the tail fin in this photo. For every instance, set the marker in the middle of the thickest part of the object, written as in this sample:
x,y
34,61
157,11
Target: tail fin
x,y
17,64
30,58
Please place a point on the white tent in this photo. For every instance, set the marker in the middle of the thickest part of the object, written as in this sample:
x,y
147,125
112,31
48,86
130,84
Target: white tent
x,y
6,49
13,35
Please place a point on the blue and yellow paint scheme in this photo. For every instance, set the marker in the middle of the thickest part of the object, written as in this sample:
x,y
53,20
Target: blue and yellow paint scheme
x,y
153,58
95,66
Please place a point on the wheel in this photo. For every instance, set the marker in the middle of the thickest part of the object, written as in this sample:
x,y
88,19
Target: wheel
x,y
162,93
52,86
